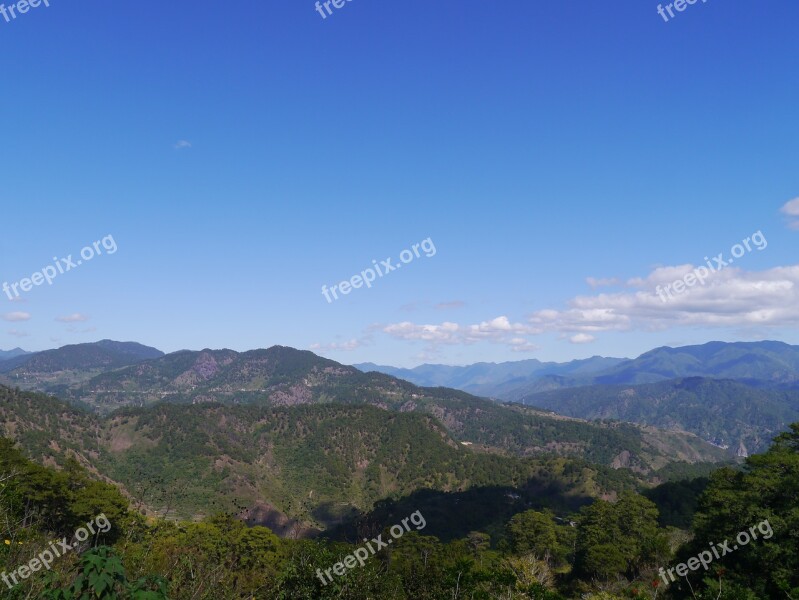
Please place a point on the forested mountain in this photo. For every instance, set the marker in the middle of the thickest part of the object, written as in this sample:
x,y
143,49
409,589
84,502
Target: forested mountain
x,y
734,395
518,503
281,376
300,462
54,370
546,537
726,413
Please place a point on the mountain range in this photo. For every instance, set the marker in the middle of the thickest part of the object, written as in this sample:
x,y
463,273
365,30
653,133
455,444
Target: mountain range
x,y
727,413
766,363
54,369
494,379
313,466
736,395
282,376
302,443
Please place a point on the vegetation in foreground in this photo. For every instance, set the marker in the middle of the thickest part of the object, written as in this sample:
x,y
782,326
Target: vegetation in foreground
x,y
606,550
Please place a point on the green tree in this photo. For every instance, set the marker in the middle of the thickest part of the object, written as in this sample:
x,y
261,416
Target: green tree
x,y
533,531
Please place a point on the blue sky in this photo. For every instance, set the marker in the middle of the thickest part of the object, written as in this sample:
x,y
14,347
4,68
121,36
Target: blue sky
x,y
244,155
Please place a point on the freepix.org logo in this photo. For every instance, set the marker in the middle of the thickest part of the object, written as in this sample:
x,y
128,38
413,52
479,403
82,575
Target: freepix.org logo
x,y
44,560
11,11
678,5
59,267
385,267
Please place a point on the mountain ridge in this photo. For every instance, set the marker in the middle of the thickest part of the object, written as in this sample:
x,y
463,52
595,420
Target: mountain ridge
x,y
728,413
766,363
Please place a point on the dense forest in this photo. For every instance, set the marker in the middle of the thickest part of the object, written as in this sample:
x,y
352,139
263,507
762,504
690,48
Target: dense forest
x,y
604,549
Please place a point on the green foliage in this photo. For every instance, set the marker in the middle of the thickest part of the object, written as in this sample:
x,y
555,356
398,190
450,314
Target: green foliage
x,y
677,501
491,527
736,501
621,539
102,577
535,532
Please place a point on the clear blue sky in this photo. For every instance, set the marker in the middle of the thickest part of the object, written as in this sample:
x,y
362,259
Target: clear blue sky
x,y
244,154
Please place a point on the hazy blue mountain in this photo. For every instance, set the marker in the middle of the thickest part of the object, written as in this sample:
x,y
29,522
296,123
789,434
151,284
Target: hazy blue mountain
x,y
766,363
493,379
771,362
7,354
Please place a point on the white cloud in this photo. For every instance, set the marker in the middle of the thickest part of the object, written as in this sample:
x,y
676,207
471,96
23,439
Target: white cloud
x,y
17,333
498,330
791,210
522,345
16,316
731,298
73,318
347,346
182,144
444,333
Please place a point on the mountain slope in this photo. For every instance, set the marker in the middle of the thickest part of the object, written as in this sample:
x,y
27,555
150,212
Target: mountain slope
x,y
726,413
54,370
304,466
314,464
105,354
281,376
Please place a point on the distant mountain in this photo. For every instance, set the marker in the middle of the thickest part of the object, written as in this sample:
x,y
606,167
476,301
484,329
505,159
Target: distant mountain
x,y
770,362
766,363
493,379
276,376
6,354
50,370
725,412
